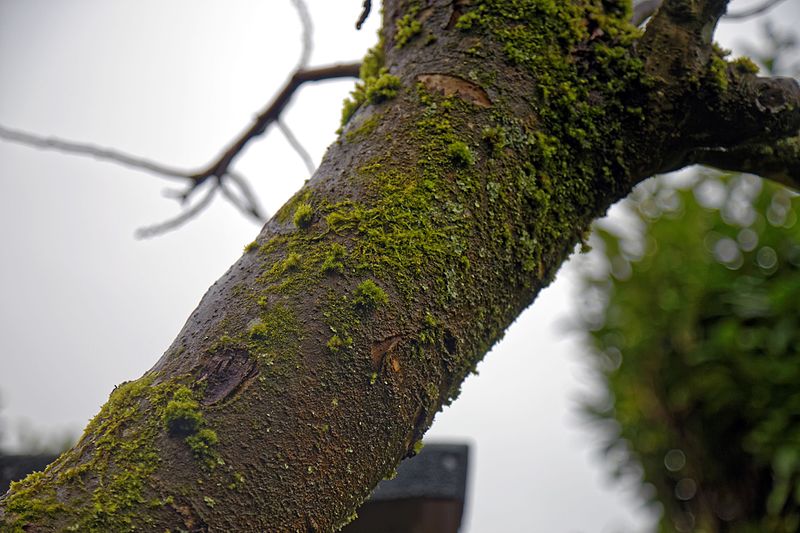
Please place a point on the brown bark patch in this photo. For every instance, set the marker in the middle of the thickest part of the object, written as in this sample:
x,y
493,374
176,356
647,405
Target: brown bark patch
x,y
226,373
380,349
455,86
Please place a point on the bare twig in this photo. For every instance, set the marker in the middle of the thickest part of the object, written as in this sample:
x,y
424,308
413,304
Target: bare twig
x,y
367,7
180,220
251,205
646,8
298,147
308,33
778,161
766,6
90,150
271,113
220,169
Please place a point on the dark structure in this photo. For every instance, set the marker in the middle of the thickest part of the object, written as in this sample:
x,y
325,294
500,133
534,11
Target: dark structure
x,y
16,467
426,496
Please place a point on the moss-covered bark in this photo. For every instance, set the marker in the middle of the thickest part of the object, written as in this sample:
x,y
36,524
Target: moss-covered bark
x,y
481,143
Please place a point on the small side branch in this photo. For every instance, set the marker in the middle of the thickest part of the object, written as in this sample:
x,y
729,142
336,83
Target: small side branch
x,y
752,12
220,169
86,149
778,161
365,9
271,113
646,8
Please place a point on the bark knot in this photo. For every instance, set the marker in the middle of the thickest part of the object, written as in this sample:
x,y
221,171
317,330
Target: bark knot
x,y
455,86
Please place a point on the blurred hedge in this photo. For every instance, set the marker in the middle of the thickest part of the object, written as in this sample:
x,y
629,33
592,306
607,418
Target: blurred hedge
x,y
693,311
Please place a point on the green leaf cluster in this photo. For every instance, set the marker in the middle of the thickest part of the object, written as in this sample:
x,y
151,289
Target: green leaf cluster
x,y
696,334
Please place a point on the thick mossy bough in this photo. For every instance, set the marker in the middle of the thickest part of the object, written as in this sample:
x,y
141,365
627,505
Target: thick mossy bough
x,y
480,144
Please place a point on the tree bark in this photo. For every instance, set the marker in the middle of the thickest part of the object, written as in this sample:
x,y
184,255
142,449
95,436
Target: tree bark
x,y
484,138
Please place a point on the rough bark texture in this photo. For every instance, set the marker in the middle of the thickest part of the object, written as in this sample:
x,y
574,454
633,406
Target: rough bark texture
x,y
483,140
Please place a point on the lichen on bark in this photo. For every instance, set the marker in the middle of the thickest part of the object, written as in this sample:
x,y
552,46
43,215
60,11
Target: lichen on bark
x,y
480,144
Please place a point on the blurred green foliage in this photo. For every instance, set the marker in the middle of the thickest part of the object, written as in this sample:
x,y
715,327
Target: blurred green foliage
x,y
692,301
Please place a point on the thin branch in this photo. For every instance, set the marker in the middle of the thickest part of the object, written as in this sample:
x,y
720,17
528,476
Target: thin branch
x,y
90,150
365,9
298,147
646,8
237,202
180,220
271,113
219,169
779,161
308,33
766,6
251,204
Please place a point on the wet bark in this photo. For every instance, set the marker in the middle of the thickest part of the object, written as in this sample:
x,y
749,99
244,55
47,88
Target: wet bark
x,y
485,138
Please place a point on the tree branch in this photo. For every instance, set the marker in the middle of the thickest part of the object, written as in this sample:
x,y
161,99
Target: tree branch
x,y
647,8
178,221
87,149
751,110
271,113
779,161
366,8
307,38
220,168
766,6
297,145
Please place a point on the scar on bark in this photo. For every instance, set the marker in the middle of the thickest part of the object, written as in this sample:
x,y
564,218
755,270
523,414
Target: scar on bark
x,y
381,349
455,86
226,373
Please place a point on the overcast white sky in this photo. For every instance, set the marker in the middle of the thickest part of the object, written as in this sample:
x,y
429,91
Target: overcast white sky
x,y
84,306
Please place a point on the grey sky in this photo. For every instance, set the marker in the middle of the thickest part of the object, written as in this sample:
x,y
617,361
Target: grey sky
x,y
84,306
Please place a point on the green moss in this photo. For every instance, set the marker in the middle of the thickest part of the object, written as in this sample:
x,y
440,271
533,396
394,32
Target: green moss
x,y
718,71
285,215
337,343
124,455
376,84
368,295
334,259
251,247
382,88
364,130
418,446
370,69
460,154
292,262
182,417
495,138
28,503
276,328
745,65
303,215
408,27
202,443
373,61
